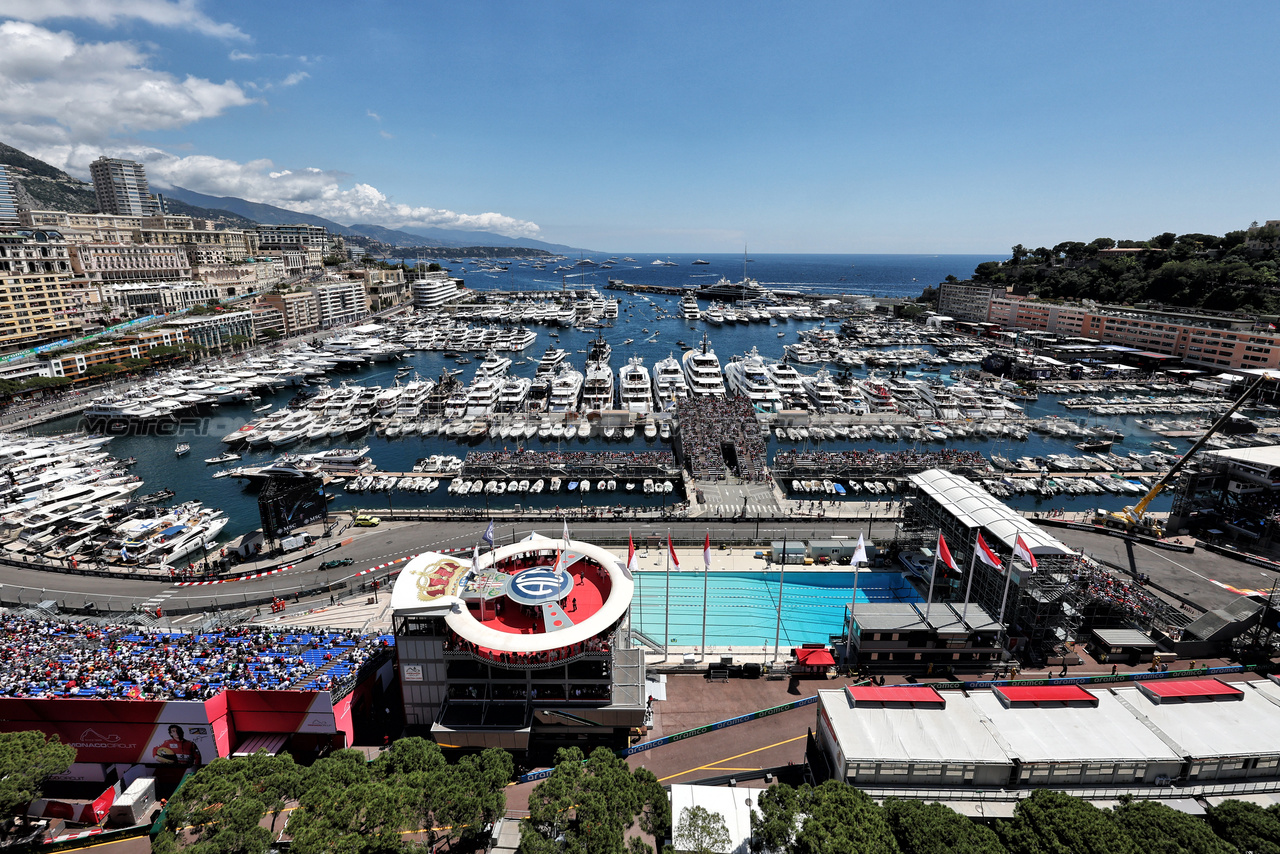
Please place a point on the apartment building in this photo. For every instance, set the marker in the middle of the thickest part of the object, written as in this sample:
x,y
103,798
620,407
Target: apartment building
x,y
139,299
341,303
967,301
121,187
300,310
215,331
268,323
37,303
385,288
8,199
130,262
133,346
1200,340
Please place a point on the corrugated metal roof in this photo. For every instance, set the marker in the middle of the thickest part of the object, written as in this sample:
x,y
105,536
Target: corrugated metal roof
x,y
974,507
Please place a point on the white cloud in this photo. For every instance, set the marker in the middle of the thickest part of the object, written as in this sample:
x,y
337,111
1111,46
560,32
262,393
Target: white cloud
x,y
57,90
326,193
295,78
371,114
179,14
241,56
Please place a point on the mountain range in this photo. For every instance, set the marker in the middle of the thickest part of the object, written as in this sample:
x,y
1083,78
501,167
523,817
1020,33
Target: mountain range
x,y
41,186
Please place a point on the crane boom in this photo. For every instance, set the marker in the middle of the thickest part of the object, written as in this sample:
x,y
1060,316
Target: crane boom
x,y
1135,512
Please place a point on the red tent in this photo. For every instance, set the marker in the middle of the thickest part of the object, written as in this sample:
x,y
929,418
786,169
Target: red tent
x,y
815,657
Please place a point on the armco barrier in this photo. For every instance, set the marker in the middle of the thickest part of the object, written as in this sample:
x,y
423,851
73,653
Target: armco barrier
x,y
1236,554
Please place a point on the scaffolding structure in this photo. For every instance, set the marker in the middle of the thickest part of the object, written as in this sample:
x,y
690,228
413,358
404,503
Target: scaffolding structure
x,y
1042,610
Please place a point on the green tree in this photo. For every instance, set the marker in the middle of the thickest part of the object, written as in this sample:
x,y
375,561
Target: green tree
x,y
27,760
1247,826
813,819
1052,822
701,831
588,806
225,801
1160,829
922,828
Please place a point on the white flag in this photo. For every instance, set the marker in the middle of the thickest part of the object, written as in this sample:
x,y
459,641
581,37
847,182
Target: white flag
x,y
860,553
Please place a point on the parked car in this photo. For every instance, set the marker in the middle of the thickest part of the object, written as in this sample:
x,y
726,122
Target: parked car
x,y
363,521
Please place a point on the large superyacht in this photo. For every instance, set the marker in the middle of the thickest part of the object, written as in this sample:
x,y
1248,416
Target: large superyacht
x,y
702,371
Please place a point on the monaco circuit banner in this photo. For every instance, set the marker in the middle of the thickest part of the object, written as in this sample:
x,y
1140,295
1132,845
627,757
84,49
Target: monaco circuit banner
x,y
151,732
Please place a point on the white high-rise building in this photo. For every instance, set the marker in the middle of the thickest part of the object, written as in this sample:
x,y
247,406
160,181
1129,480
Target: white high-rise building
x,y
8,198
121,187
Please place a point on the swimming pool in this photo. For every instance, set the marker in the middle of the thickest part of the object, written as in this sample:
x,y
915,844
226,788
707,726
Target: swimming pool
x,y
742,606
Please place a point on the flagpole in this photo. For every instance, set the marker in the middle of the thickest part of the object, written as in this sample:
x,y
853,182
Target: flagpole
x,y
1008,576
848,644
782,571
666,626
933,571
636,581
706,571
968,587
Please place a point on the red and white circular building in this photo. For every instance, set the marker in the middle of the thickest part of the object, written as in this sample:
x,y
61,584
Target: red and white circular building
x,y
529,641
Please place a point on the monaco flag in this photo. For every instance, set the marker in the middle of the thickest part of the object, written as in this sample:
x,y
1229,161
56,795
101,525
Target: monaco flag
x,y
706,551
1021,552
671,550
944,555
633,564
987,556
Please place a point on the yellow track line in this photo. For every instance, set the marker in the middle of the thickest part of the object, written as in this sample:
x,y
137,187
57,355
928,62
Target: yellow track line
x,y
712,765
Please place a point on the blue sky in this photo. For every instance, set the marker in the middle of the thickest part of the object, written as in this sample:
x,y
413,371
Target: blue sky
x,y
674,127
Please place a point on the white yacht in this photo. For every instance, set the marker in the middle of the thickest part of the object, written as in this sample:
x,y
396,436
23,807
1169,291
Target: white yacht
x,y
482,398
566,390
747,376
597,390
550,363
669,385
702,371
635,392
689,307
788,382
714,314
823,392
514,392
492,366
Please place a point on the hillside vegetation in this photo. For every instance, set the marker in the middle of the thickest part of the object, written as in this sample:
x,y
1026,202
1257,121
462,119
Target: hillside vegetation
x,y
1239,271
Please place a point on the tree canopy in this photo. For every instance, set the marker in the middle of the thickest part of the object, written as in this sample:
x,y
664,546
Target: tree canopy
x,y
1236,272
1160,829
1247,826
344,803
27,759
922,828
811,819
701,831
591,804
1052,822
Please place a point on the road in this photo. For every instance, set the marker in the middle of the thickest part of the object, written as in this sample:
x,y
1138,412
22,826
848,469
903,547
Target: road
x,y
370,547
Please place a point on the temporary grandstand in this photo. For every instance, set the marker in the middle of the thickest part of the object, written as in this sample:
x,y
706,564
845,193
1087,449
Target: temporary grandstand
x,y
529,644
1041,607
113,692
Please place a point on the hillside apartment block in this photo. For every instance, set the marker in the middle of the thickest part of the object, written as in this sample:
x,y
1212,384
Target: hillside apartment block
x,y
1203,340
38,294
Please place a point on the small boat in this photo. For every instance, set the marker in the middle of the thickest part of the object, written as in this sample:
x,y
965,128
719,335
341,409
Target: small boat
x,y
155,497
182,449
573,485
265,407
228,457
555,484
648,487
